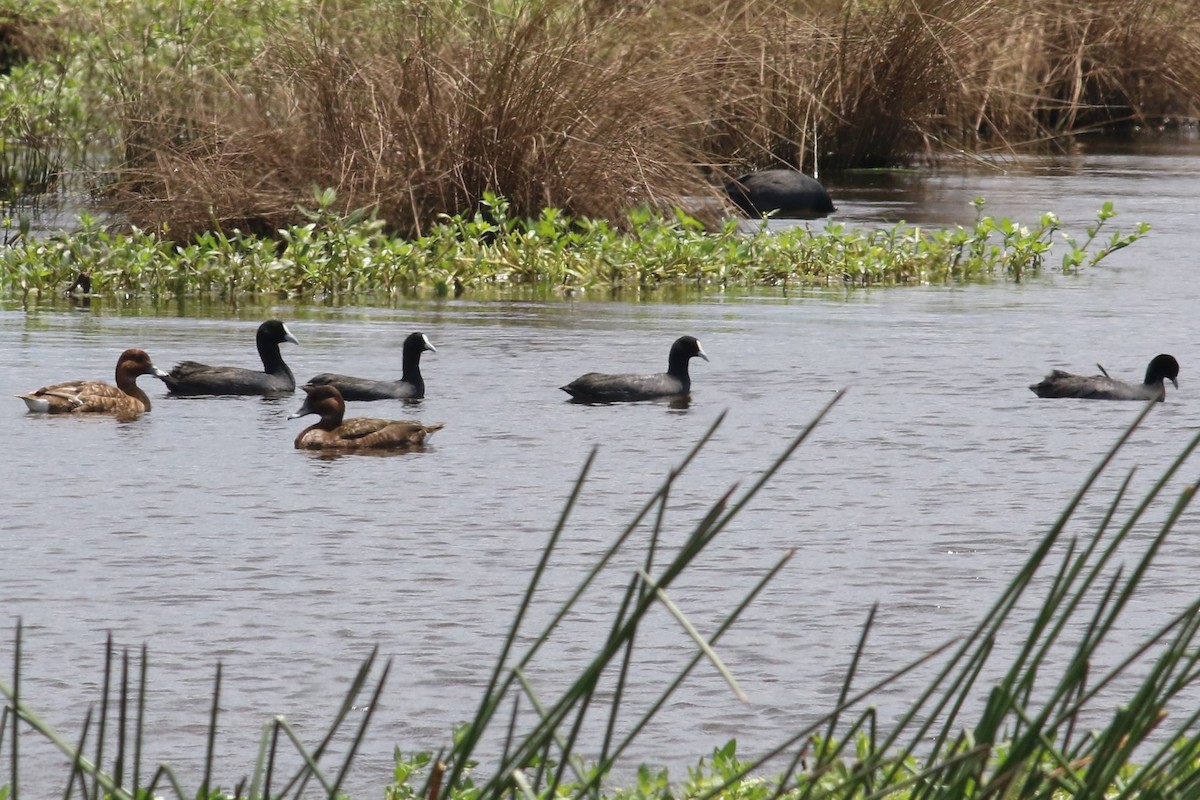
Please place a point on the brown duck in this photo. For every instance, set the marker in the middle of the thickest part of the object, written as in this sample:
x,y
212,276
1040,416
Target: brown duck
x,y
358,433
98,397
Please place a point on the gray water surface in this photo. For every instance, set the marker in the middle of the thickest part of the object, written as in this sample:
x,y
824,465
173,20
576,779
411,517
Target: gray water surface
x,y
199,531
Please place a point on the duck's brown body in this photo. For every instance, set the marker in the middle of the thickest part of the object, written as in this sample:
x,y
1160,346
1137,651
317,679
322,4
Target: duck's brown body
x,y
366,433
334,432
98,397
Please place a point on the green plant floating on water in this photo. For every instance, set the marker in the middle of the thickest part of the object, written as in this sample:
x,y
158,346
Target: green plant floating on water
x,y
1012,729
334,257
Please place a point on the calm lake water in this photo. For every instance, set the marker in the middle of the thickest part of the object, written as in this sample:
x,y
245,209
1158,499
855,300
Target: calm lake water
x,y
200,532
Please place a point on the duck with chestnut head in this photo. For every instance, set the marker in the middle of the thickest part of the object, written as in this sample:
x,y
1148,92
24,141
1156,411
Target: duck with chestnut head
x,y
98,397
335,432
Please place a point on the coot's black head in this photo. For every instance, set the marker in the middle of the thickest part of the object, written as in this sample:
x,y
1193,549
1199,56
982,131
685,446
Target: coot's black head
x,y
1163,367
418,343
682,351
275,332
687,346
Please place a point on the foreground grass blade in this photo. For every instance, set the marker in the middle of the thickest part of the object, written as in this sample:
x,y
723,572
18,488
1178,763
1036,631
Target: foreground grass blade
x,y
356,686
211,744
76,771
362,728
14,695
499,686
691,631
102,725
140,729
1020,741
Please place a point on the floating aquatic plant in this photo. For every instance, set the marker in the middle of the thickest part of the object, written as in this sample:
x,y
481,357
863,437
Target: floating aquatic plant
x,y
341,258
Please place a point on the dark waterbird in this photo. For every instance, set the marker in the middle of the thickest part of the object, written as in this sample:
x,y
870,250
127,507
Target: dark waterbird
x,y
80,292
85,397
191,377
411,385
334,432
82,287
1101,387
597,387
784,192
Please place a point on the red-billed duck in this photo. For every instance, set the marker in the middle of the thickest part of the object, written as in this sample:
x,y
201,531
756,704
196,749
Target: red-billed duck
x,y
411,385
85,397
596,387
191,377
358,433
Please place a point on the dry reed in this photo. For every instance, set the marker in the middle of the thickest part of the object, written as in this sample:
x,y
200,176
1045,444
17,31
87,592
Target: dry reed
x,y
24,37
592,106
1045,72
413,114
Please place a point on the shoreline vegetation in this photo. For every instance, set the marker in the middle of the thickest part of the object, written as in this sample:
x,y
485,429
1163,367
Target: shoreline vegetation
x,y
334,259
206,124
1039,721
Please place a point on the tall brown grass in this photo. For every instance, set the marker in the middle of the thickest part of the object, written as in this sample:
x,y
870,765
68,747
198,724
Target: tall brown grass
x,y
415,111
593,106
1056,69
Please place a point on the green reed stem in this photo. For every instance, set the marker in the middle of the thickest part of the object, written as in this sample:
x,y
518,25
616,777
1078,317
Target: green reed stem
x,y
718,516
102,726
14,697
696,637
122,719
310,761
665,695
362,728
348,700
497,689
76,767
211,743
274,726
140,729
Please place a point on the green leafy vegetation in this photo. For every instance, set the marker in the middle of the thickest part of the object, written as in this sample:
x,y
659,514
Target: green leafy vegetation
x,y
1040,722
335,258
